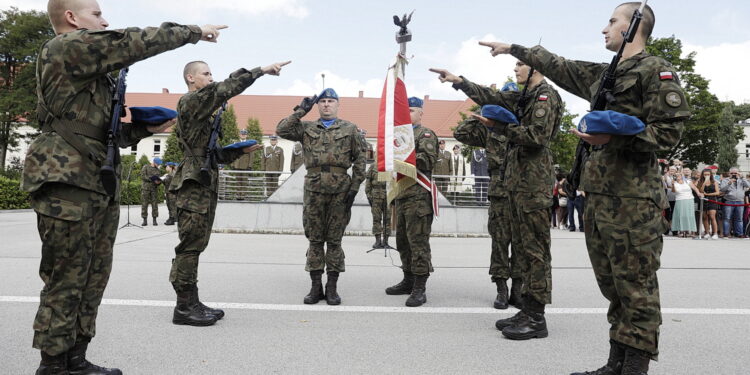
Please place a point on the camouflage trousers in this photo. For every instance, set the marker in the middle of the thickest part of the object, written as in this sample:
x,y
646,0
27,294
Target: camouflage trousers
x,y
148,197
325,218
381,217
171,199
530,220
77,228
624,241
196,209
504,264
413,227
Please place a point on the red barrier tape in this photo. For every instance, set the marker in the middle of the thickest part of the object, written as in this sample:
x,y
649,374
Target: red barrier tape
x,y
727,204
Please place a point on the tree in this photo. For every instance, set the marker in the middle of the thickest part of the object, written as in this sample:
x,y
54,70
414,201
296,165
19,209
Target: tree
x,y
563,146
229,131
700,140
21,34
727,155
173,152
254,132
741,113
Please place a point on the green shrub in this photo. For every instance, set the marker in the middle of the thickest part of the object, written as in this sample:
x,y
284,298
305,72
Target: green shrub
x,y
11,195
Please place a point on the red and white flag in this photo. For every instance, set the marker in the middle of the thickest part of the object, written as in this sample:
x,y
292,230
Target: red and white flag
x,y
397,157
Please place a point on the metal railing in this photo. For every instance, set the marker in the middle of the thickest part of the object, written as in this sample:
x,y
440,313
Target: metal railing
x,y
257,186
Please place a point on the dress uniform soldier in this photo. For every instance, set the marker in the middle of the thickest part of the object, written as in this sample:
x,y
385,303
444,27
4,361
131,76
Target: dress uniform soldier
x,y
502,267
297,158
244,163
150,182
76,218
459,170
479,168
381,214
443,167
529,180
273,161
623,218
331,145
196,202
168,195
414,216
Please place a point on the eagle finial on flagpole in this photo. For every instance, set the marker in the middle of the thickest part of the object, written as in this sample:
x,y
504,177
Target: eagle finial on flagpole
x,y
403,35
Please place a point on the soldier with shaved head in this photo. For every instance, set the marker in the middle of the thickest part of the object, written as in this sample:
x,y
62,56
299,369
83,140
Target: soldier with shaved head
x,y
76,218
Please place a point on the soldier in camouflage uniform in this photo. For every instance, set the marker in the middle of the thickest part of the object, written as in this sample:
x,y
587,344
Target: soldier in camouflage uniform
x,y
196,203
502,267
243,163
297,158
150,181
381,214
529,180
624,195
170,196
331,145
444,167
414,216
272,161
76,219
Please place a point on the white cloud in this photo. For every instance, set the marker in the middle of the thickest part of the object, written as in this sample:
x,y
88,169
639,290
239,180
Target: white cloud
x,y
723,66
24,4
291,8
343,86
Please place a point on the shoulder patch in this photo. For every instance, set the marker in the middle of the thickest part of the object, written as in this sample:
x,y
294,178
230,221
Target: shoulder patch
x,y
540,112
543,98
673,99
666,75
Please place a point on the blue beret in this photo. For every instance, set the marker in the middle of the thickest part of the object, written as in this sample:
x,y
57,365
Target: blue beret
x,y
610,122
242,144
243,131
499,113
509,86
328,93
171,163
416,102
151,115
157,161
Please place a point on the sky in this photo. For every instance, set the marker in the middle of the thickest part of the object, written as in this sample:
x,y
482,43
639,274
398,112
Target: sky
x,y
352,42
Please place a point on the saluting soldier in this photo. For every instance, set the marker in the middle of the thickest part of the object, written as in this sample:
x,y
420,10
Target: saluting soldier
x,y
76,219
331,145
272,161
623,218
150,181
529,180
196,202
414,216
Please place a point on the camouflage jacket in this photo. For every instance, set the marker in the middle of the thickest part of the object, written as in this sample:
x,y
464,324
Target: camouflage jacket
x,y
73,81
529,164
273,158
339,145
196,111
474,133
443,163
167,181
244,162
426,147
146,173
296,156
627,166
374,189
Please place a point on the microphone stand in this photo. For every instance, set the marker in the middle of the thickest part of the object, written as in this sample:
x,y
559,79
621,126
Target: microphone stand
x,y
128,224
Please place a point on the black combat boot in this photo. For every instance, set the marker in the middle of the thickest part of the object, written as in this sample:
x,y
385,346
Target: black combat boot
x,y
614,363
188,312
218,313
385,242
515,292
501,301
155,224
145,222
78,365
170,221
509,322
636,362
316,291
403,287
53,364
418,296
332,297
531,325
378,242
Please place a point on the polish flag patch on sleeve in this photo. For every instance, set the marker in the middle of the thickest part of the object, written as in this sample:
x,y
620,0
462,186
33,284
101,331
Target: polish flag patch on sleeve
x,y
542,98
666,75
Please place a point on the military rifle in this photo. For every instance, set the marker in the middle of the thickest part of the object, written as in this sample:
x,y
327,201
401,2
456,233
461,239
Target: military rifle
x,y
108,171
211,149
603,97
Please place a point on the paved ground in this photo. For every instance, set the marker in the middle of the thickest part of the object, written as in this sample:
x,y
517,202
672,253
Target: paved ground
x,y
261,281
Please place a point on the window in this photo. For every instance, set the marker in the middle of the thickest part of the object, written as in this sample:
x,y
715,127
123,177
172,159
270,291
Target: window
x,y
134,150
157,147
